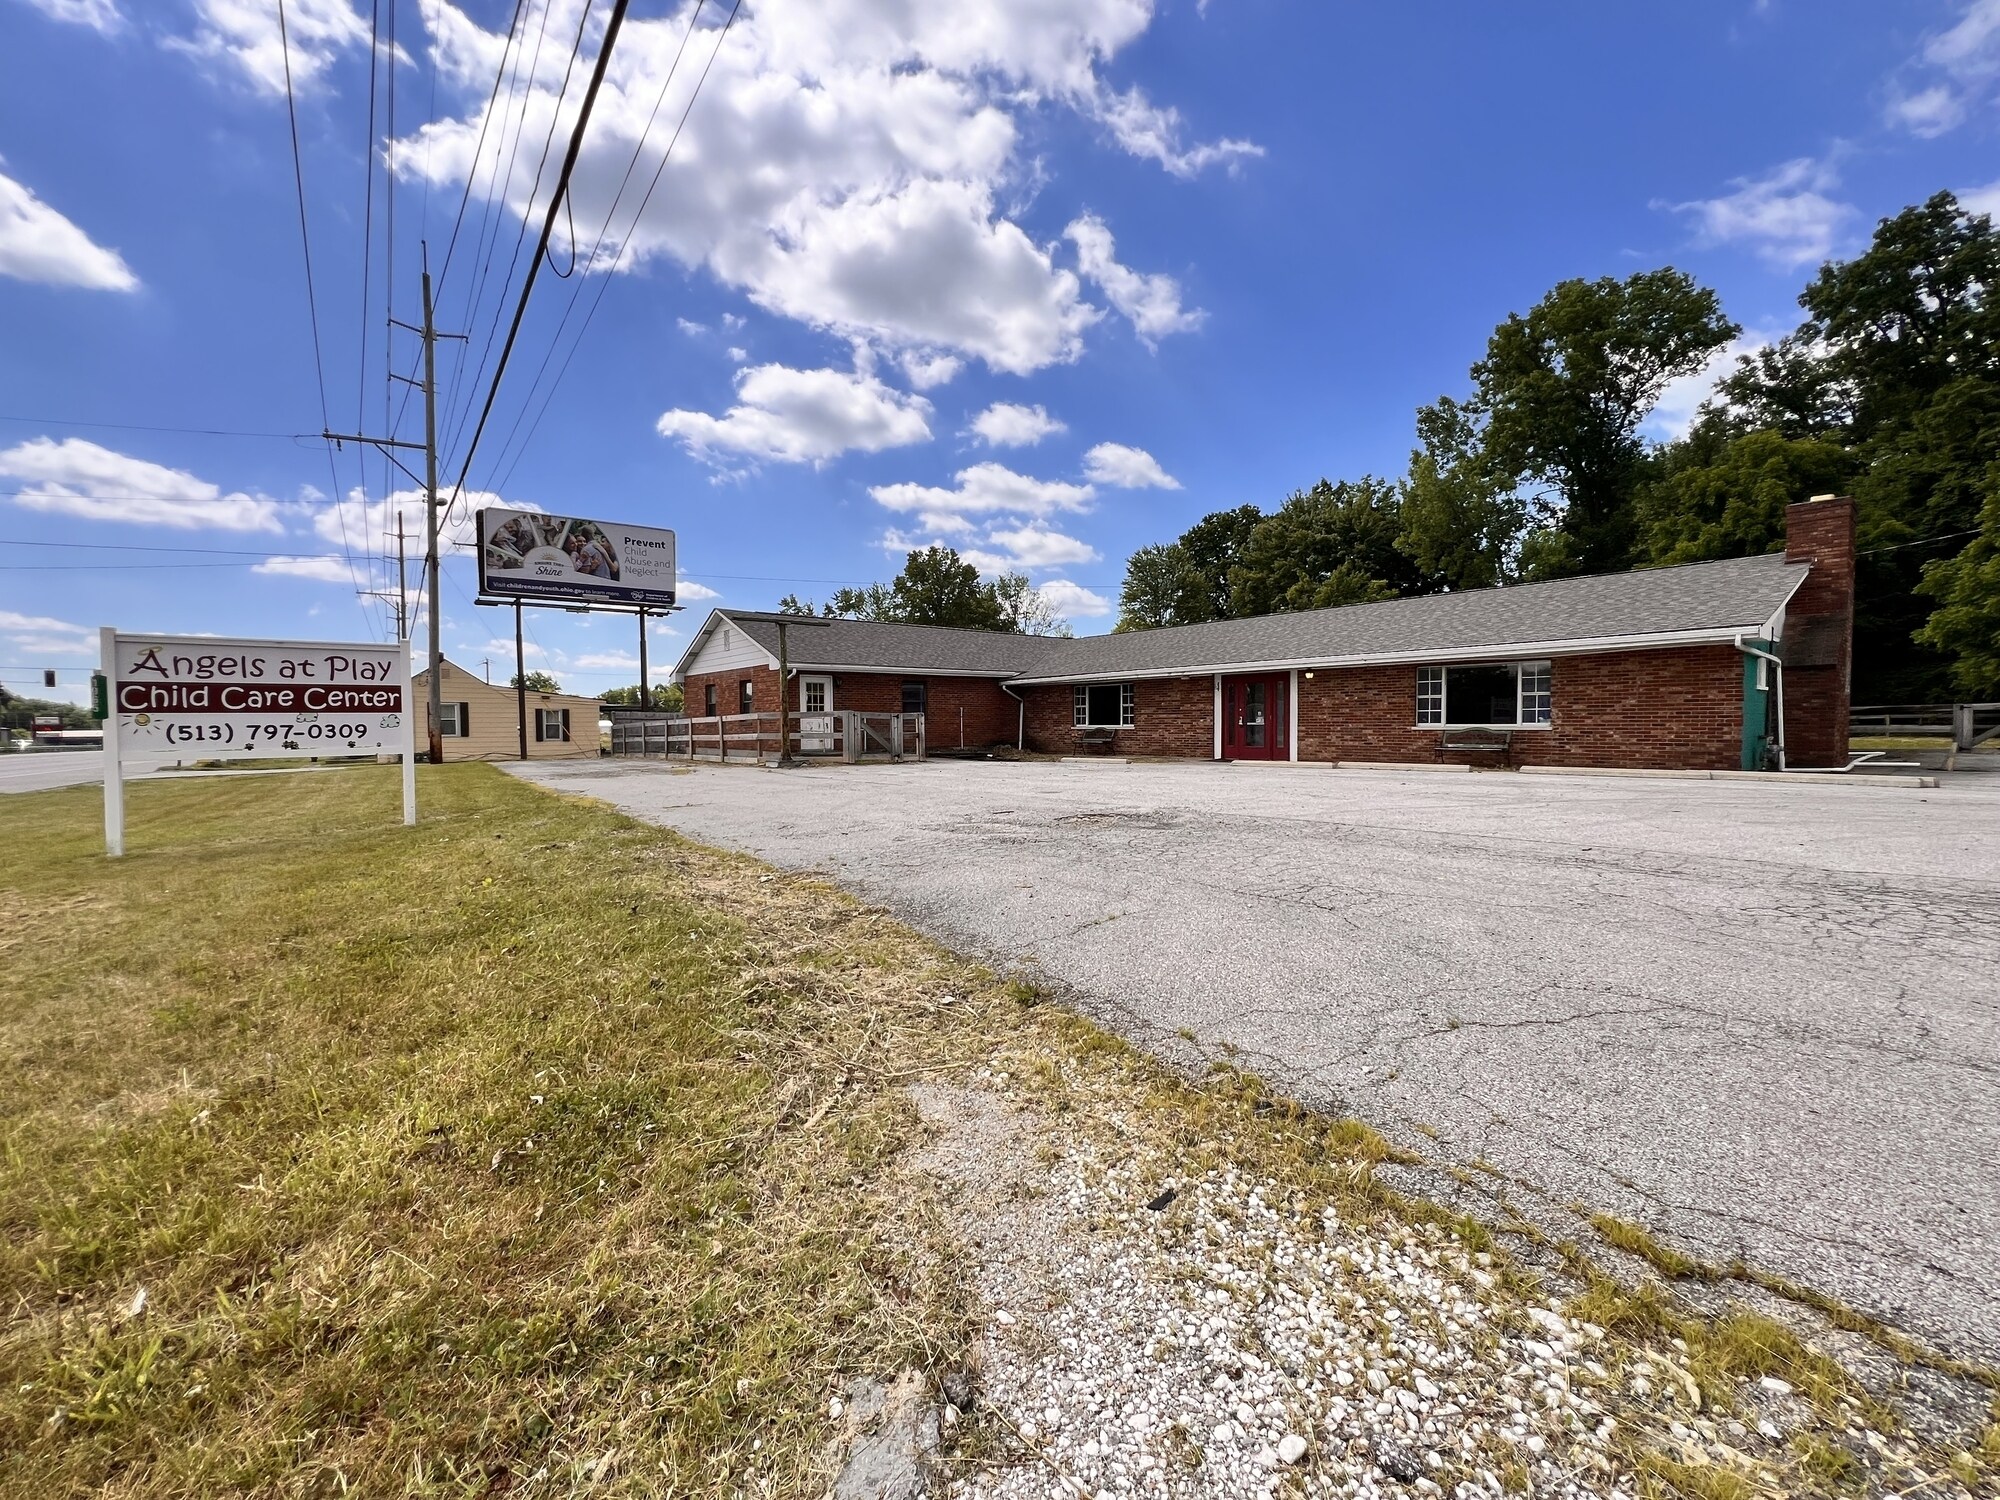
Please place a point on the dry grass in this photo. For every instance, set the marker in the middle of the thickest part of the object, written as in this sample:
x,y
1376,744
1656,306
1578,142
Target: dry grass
x,y
531,1142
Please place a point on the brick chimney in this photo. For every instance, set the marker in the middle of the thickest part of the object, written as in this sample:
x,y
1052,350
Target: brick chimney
x,y
1818,645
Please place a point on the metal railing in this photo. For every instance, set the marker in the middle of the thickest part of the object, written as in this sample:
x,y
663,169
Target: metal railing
x,y
1963,724
845,736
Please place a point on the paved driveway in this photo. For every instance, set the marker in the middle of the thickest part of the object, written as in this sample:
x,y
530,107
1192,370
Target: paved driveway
x,y
1759,1018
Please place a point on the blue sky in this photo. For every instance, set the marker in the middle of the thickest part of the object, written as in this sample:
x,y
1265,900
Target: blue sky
x,y
1044,279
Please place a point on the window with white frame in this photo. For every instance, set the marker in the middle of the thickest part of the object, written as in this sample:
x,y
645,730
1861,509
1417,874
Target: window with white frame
x,y
1103,705
453,721
1485,693
551,723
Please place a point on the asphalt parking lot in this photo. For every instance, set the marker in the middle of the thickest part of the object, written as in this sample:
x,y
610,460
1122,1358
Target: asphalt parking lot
x,y
1760,1019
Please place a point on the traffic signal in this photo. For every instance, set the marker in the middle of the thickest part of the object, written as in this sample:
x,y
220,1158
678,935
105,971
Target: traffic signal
x,y
48,677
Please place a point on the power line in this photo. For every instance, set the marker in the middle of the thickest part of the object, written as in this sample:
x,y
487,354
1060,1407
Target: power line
x,y
630,229
534,189
147,547
611,31
305,245
151,427
1949,536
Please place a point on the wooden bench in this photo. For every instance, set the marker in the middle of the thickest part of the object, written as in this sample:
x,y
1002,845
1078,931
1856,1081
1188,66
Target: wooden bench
x,y
1489,740
1095,739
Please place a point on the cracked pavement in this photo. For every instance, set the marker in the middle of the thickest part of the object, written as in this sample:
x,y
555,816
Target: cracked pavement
x,y
1759,1019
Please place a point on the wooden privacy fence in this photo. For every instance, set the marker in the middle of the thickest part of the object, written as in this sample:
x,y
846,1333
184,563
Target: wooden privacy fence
x,y
1963,724
844,735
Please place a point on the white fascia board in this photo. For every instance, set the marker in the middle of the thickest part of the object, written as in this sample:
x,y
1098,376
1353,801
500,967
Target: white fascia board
x,y
1774,628
1511,651
997,676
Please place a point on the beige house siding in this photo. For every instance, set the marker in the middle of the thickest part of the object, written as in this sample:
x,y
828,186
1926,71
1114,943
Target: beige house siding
x,y
494,729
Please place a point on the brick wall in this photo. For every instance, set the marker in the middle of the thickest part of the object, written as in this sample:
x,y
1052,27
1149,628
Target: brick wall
x,y
990,714
1818,645
1171,716
1678,709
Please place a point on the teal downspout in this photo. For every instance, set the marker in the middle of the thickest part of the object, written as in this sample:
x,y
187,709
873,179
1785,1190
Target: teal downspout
x,y
1757,727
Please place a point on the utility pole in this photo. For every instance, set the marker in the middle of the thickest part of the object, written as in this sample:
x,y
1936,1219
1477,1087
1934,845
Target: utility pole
x,y
402,583
431,512
388,445
486,669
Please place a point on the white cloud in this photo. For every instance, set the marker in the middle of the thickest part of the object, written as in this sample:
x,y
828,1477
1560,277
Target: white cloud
x,y
691,592
689,327
1680,403
1928,112
1006,425
847,160
243,36
44,632
1981,200
367,526
606,661
737,356
1784,216
320,569
1126,468
927,368
986,489
801,416
1034,546
74,477
99,15
39,244
1147,129
1151,302
1073,600
1955,70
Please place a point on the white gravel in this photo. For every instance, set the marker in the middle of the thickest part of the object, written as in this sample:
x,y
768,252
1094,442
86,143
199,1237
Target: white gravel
x,y
1234,1344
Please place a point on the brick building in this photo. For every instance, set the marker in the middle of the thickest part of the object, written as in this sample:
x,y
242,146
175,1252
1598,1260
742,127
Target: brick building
x,y
1713,665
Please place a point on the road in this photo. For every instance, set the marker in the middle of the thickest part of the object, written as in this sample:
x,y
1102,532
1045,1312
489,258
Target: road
x,y
38,771
1760,1019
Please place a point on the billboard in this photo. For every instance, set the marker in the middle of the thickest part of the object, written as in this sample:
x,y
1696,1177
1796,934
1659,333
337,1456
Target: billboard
x,y
524,554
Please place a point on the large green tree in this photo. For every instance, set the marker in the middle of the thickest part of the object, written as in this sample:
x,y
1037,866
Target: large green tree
x,y
1889,390
535,682
1563,390
938,587
1332,544
1187,581
1462,521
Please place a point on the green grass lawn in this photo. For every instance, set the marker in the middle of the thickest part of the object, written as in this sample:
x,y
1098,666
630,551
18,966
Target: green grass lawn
x,y
344,1156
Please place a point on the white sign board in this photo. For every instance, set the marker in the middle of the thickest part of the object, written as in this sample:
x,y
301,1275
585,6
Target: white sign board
x,y
181,697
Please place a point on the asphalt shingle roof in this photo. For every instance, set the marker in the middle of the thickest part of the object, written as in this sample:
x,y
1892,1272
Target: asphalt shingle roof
x,y
1714,599
1717,597
895,648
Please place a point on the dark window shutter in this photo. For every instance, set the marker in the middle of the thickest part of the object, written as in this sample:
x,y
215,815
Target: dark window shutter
x,y
464,721
565,714
538,726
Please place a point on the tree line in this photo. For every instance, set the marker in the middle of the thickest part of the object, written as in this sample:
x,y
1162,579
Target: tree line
x,y
1888,390
938,587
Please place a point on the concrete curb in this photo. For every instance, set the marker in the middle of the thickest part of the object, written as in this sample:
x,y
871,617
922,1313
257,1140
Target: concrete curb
x,y
1426,766
1765,778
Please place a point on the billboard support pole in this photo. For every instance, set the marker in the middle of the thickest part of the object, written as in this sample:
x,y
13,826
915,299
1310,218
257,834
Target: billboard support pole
x,y
520,682
645,677
114,770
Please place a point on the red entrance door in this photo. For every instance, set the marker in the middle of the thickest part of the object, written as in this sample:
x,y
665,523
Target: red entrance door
x,y
1256,717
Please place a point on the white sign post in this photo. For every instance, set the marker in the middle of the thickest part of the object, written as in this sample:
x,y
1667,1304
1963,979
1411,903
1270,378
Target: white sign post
x,y
178,697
